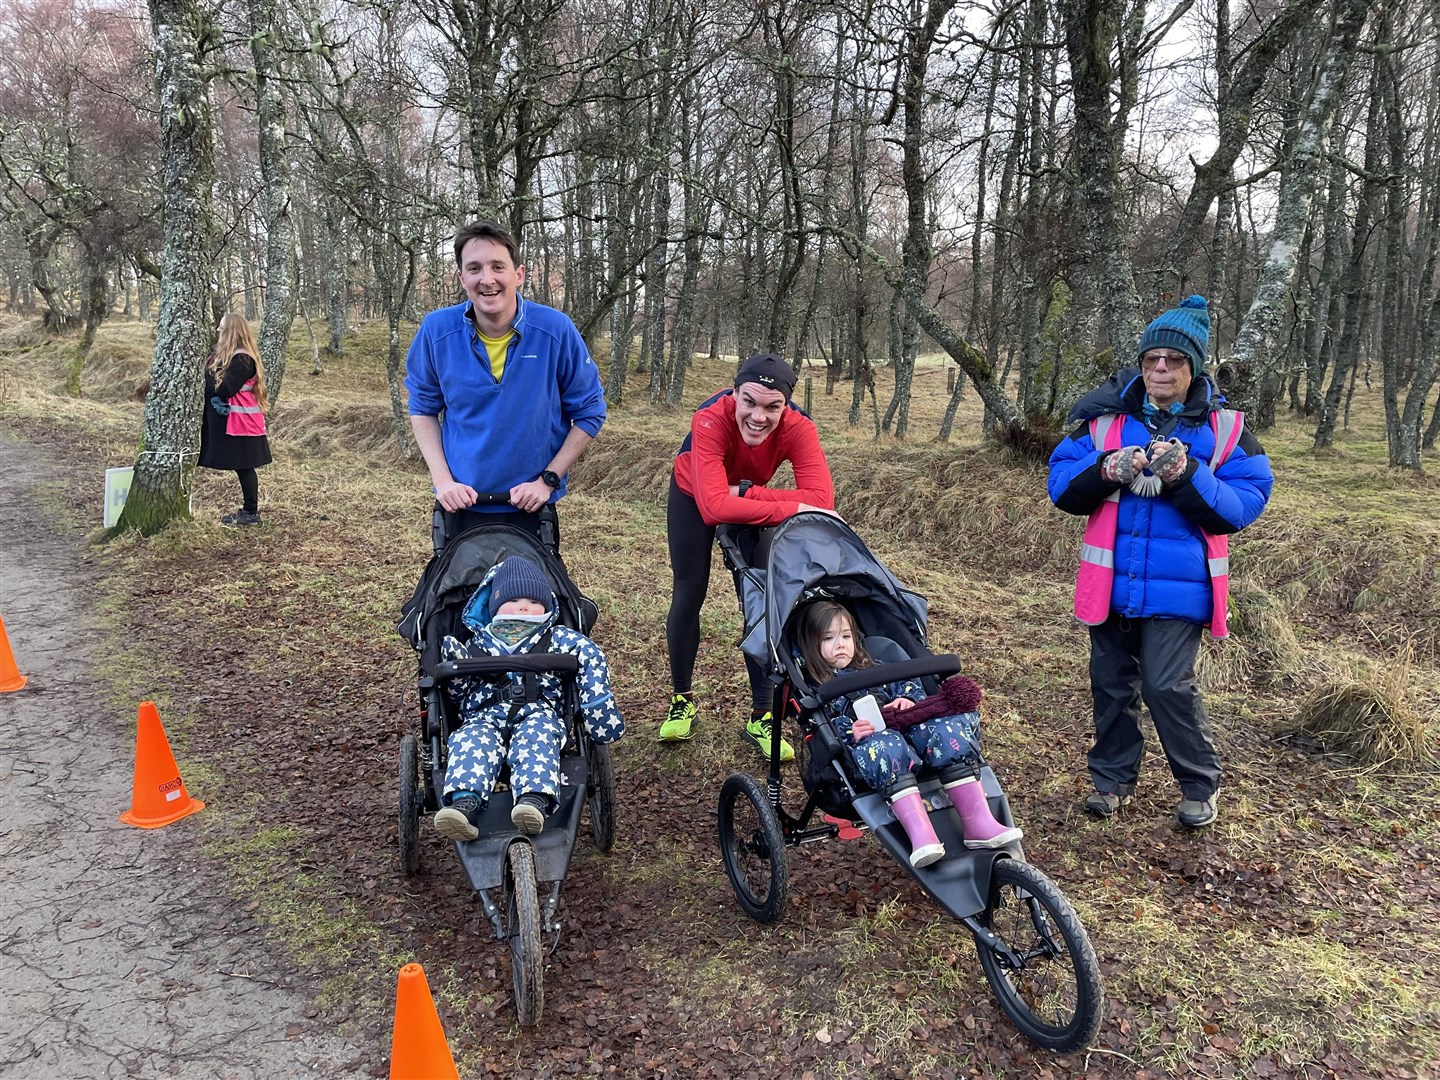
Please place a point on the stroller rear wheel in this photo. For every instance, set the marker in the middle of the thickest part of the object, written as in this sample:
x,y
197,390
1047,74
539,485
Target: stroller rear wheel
x,y
1053,994
600,796
753,847
412,797
522,925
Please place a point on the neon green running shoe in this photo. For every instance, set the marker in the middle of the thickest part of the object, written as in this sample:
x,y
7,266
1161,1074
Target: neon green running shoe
x,y
759,731
676,727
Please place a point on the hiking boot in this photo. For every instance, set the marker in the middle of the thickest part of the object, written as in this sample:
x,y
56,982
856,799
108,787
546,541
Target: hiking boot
x,y
759,731
528,814
1104,803
457,821
241,517
1196,813
676,727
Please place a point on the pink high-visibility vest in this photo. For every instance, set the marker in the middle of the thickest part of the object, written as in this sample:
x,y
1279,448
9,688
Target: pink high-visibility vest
x,y
245,416
1096,575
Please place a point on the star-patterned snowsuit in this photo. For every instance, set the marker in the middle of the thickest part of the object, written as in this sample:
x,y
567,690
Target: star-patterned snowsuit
x,y
529,736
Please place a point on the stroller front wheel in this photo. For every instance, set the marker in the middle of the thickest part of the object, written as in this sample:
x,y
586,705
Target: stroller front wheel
x,y
1049,983
753,847
522,925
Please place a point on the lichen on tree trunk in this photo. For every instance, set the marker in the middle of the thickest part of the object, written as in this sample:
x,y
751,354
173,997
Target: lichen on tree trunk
x,y
159,492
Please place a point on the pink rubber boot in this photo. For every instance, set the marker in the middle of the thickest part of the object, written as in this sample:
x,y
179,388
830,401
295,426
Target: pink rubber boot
x,y
914,816
981,828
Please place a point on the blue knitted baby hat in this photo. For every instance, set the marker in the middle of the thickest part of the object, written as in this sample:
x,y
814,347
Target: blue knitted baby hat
x,y
518,577
1185,328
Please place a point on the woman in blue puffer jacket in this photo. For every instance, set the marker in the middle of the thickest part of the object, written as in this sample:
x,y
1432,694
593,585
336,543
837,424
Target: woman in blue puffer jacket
x,y
1164,474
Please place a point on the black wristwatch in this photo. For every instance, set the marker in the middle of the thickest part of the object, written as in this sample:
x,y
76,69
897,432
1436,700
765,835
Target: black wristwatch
x,y
744,486
550,478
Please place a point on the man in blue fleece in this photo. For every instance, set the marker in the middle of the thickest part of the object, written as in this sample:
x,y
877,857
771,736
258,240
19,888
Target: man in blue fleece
x,y
503,393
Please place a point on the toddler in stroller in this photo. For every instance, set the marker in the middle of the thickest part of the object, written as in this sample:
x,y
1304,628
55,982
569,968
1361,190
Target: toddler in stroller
x,y
517,721
886,756
1032,946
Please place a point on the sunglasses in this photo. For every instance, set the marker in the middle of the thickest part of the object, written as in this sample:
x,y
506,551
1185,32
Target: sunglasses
x,y
1150,360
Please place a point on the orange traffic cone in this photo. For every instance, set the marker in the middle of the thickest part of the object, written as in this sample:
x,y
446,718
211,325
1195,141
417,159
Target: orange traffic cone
x,y
160,795
10,677
418,1050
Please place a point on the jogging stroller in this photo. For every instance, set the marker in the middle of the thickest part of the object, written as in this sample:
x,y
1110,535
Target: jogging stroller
x,y
1033,949
501,860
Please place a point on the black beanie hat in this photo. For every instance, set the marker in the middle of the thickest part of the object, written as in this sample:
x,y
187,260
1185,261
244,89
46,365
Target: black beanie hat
x,y
769,371
518,577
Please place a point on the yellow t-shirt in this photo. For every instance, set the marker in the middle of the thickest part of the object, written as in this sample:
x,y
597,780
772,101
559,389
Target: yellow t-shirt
x,y
497,347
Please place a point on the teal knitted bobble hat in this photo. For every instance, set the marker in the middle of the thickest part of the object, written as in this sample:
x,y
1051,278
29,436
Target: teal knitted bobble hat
x,y
1186,328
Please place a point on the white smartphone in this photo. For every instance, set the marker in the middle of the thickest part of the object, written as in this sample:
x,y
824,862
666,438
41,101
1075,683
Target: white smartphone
x,y
867,708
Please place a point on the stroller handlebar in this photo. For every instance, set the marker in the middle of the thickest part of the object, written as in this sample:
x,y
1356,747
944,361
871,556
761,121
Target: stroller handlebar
x,y
559,663
944,664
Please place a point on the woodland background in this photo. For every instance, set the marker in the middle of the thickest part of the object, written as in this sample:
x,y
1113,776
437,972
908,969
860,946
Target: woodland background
x,y
1025,183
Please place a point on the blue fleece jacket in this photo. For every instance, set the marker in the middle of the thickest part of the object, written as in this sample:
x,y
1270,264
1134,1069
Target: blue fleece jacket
x,y
1160,568
499,434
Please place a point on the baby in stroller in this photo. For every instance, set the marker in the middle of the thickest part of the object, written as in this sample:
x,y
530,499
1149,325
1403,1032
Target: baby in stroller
x,y
886,756
519,720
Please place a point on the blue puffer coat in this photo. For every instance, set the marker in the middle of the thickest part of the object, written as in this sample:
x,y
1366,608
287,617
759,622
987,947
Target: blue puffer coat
x,y
1160,567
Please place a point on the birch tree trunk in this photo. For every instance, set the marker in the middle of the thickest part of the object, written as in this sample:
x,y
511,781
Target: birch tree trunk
x,y
915,271
1403,420
281,273
1091,31
183,30
1236,92
682,347
781,36
1259,334
1358,286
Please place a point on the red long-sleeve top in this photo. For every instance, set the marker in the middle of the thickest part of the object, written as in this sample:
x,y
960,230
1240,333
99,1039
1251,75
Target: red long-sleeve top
x,y
714,456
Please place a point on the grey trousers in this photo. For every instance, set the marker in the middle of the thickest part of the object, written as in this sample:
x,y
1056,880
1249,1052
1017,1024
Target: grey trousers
x,y
1153,659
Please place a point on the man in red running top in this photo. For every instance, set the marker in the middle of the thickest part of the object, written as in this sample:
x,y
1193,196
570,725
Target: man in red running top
x,y
737,440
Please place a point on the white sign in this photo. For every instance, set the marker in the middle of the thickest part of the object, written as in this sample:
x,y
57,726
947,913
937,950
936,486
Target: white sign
x,y
117,490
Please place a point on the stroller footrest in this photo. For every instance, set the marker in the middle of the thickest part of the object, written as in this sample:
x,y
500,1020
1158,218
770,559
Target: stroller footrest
x,y
844,830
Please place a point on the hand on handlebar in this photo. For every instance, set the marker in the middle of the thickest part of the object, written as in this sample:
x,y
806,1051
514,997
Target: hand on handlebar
x,y
455,496
530,496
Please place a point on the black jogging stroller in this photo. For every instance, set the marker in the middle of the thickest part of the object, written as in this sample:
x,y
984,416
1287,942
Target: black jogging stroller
x,y
1033,949
506,868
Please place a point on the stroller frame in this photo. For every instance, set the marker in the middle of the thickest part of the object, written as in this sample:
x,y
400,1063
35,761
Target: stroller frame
x,y
1029,938
501,860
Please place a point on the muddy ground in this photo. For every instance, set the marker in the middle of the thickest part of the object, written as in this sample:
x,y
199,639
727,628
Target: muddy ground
x,y
121,955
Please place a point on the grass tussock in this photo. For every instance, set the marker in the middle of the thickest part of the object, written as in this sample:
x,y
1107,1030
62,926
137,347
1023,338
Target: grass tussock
x,y
318,428
1373,712
117,367
1262,646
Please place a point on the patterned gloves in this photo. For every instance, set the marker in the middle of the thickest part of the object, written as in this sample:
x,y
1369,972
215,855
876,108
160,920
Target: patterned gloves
x,y
1168,459
1118,467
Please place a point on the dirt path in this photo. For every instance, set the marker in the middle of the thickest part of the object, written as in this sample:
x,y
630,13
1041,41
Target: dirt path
x,y
120,954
